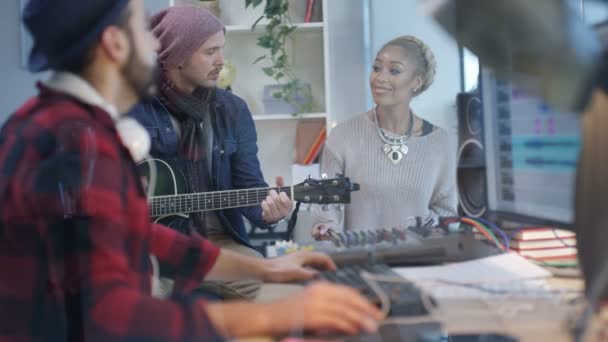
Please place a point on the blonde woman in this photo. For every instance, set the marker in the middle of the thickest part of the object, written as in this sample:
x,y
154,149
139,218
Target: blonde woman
x,y
405,165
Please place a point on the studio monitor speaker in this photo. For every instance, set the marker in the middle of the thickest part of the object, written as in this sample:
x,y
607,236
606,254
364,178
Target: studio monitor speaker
x,y
471,155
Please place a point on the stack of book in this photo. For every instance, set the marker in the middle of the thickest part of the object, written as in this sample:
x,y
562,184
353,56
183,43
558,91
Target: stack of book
x,y
546,245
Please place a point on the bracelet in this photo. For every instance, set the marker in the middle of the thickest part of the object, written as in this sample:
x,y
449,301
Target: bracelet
x,y
272,225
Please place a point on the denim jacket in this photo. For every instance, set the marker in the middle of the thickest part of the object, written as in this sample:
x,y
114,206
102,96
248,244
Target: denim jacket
x,y
234,163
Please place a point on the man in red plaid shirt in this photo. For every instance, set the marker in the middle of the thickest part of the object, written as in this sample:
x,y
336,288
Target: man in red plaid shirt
x,y
75,236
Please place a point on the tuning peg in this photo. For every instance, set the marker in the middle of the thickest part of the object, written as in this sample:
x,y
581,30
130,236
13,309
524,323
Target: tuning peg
x,y
324,176
325,207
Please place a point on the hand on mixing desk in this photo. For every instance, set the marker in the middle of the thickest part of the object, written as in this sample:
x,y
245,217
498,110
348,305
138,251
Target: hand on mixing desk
x,y
321,231
319,308
327,307
297,266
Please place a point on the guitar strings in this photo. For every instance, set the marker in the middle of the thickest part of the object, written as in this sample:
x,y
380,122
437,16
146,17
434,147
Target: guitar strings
x,y
162,205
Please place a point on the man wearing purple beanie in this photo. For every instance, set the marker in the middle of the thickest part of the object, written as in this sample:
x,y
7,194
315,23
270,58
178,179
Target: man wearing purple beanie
x,y
208,135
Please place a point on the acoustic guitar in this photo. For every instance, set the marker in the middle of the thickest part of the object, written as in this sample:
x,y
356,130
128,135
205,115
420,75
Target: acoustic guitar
x,y
168,197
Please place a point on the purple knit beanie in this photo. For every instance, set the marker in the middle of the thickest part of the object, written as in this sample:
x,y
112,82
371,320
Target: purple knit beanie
x,y
181,31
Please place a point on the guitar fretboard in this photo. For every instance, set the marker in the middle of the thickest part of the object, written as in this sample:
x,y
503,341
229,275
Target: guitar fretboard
x,y
205,201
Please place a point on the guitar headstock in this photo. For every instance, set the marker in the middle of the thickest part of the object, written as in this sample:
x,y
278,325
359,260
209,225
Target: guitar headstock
x,y
325,191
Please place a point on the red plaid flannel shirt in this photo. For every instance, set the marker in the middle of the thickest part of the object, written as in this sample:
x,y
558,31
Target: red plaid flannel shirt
x,y
75,235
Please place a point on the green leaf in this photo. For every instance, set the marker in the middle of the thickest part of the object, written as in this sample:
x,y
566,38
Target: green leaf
x,y
252,3
272,24
265,42
283,59
287,29
274,7
277,95
268,71
279,75
275,47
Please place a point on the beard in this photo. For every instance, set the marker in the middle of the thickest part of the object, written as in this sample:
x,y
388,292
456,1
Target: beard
x,y
140,76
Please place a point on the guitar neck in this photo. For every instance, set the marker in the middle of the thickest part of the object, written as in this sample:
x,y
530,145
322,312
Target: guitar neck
x,y
206,201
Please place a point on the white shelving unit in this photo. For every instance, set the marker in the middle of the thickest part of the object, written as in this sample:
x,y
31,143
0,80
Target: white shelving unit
x,y
328,54
264,117
301,27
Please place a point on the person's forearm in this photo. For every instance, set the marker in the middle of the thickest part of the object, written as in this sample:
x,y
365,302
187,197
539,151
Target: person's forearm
x,y
233,266
228,319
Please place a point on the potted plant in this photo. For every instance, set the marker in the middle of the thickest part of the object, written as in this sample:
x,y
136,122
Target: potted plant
x,y
278,30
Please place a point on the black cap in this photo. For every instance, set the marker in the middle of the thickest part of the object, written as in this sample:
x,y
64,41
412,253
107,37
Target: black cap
x,y
63,30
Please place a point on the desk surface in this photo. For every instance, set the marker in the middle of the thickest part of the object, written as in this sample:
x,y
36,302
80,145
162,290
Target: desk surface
x,y
525,318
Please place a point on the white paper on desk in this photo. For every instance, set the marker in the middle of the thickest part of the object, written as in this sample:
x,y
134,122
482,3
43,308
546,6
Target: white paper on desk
x,y
500,274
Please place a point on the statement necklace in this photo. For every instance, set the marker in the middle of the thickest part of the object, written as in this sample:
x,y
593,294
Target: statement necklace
x,y
395,146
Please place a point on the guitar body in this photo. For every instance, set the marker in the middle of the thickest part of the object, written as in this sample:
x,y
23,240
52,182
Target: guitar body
x,y
160,179
170,203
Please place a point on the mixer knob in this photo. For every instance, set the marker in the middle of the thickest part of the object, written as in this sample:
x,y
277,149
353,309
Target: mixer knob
x,y
379,235
342,238
363,238
386,235
396,236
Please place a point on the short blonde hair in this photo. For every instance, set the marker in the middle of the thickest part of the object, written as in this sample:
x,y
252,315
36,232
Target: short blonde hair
x,y
422,56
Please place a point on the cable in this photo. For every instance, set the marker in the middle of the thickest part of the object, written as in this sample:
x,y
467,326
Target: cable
x,y
496,228
372,281
554,230
504,310
292,221
484,231
483,287
481,228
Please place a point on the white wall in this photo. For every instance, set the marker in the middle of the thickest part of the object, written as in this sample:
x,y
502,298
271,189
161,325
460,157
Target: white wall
x,y
393,18
16,83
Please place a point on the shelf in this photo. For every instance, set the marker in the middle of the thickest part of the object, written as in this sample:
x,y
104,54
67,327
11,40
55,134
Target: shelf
x,y
301,27
267,117
478,165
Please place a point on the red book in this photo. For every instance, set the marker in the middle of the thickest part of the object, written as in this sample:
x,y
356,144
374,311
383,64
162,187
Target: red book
x,y
542,234
309,5
542,244
548,253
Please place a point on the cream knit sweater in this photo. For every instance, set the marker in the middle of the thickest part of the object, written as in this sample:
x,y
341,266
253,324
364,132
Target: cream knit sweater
x,y
422,184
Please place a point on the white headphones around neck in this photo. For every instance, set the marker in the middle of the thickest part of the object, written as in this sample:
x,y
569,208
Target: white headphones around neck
x,y
135,137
